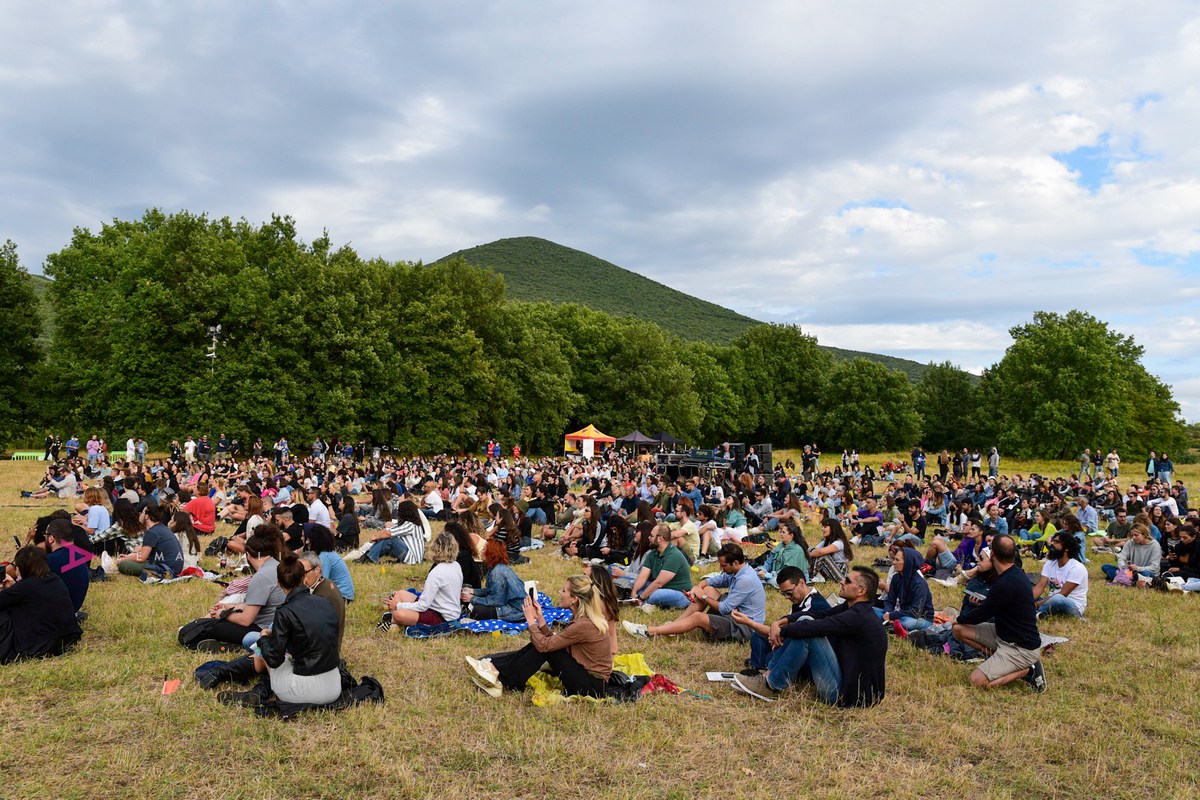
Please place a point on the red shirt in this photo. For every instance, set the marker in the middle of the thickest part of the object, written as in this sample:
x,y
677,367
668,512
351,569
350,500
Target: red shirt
x,y
204,513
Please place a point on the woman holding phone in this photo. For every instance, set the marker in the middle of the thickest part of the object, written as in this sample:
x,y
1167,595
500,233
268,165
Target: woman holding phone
x,y
580,654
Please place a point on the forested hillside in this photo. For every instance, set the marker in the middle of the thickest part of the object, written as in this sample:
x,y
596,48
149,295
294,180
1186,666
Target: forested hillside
x,y
539,270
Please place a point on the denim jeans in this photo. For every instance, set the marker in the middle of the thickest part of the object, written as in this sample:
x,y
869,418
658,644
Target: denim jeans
x,y
817,654
668,598
1057,604
537,516
388,547
1191,585
760,651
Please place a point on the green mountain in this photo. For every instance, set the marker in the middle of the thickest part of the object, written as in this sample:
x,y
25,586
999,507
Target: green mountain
x,y
539,270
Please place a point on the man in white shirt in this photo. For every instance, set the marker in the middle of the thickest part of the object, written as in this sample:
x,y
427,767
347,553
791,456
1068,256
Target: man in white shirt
x,y
1065,576
317,511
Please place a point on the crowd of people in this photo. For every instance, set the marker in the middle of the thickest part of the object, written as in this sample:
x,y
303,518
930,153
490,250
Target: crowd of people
x,y
287,531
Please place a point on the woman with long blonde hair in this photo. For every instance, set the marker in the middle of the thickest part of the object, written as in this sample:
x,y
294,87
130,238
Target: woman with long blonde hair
x,y
580,654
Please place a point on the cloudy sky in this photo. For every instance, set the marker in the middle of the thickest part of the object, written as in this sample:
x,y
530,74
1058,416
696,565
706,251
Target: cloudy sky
x,y
907,178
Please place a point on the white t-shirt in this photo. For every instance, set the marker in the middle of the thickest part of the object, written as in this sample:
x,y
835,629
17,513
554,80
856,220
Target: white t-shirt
x,y
433,501
318,513
1073,572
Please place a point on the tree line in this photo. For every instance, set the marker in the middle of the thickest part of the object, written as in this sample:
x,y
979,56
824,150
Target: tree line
x,y
434,357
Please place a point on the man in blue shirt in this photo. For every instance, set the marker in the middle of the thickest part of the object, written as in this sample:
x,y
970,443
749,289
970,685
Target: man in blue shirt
x,y
1087,515
710,611
59,533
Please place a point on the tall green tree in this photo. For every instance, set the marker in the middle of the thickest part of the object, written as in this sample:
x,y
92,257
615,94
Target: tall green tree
x,y
780,374
627,373
947,399
1068,381
20,357
868,406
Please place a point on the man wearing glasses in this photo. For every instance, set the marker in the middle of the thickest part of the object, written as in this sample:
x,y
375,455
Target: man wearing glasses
x,y
804,601
843,649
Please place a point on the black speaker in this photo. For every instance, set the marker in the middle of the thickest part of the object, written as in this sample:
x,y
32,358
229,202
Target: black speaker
x,y
764,457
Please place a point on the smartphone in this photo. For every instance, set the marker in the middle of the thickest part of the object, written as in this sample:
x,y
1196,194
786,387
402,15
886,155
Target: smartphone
x,y
532,597
17,542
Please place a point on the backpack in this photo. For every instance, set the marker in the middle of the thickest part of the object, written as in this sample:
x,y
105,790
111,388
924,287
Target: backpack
x,y
216,546
197,631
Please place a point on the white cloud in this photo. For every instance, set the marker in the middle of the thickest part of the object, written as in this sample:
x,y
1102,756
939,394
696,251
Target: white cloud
x,y
887,180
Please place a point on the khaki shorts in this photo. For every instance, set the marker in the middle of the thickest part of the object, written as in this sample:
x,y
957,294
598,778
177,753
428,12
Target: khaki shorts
x,y
724,628
1006,658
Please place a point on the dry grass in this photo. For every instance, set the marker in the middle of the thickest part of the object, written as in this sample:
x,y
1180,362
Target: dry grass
x,y
1119,717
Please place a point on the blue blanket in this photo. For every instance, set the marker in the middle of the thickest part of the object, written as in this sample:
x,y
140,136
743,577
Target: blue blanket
x,y
553,614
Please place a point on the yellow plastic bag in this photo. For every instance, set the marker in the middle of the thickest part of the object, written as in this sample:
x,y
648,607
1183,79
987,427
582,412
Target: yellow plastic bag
x,y
632,664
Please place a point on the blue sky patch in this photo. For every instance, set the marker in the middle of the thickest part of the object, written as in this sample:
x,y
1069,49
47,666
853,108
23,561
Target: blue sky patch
x,y
877,202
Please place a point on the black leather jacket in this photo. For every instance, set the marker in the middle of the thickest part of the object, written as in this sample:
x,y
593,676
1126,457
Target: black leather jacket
x,y
305,626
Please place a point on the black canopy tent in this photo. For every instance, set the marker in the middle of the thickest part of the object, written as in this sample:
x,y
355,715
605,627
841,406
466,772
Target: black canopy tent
x,y
637,437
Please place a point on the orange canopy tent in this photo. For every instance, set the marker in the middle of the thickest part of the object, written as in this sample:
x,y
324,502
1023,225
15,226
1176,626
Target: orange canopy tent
x,y
584,441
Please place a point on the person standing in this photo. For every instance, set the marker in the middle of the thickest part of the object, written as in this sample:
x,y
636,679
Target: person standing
x,y
1113,463
994,463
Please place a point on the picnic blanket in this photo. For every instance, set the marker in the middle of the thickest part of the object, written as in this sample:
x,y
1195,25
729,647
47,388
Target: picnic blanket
x,y
553,614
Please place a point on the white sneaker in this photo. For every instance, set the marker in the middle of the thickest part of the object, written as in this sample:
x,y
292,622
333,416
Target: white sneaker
x,y
636,629
817,579
484,670
649,608
492,691
948,582
855,539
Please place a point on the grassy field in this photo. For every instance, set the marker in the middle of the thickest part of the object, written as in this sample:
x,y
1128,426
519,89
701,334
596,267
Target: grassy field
x,y
1119,718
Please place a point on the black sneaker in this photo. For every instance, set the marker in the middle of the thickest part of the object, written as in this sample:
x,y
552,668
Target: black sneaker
x,y
386,624
1036,677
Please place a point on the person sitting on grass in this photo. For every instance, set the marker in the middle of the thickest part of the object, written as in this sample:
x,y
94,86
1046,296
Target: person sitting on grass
x,y
580,654
185,533
160,557
320,541
1038,535
1141,554
54,540
832,556
441,597
710,537
319,585
665,576
125,529
793,585
502,595
608,598
624,576
1065,576
37,617
843,650
255,611
394,540
709,610
90,513
1010,639
299,651
792,551
909,602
